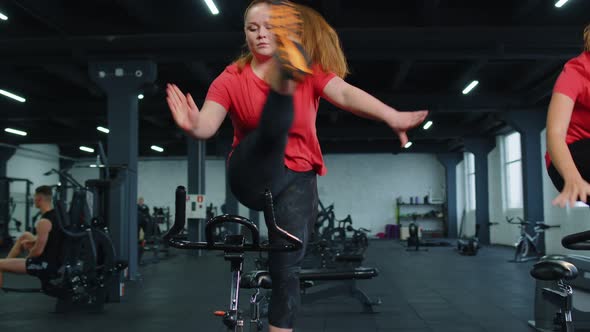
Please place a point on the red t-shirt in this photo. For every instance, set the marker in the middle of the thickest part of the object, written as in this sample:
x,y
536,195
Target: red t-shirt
x,y
243,95
574,82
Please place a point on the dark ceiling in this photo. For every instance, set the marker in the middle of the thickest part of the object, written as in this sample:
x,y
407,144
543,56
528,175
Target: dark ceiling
x,y
411,54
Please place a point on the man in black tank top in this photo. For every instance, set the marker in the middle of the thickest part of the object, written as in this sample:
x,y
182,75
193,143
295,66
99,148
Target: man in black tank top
x,y
44,250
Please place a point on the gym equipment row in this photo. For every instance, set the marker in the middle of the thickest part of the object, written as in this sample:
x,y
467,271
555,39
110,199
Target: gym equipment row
x,y
527,247
335,241
90,275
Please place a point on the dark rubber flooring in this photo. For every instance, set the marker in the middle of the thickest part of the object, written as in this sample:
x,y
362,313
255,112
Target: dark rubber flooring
x,y
434,290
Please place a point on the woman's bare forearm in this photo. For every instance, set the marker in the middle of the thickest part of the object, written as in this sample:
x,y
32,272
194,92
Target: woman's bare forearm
x,y
209,120
561,157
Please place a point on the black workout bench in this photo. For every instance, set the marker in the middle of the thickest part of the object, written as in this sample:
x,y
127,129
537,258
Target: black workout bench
x,y
345,284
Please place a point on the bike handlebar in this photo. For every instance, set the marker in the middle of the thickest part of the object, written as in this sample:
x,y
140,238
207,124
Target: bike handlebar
x,y
180,214
544,226
212,224
521,222
577,241
216,221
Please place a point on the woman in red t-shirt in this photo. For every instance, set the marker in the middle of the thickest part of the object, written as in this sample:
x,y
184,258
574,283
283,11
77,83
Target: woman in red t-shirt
x,y
275,141
568,130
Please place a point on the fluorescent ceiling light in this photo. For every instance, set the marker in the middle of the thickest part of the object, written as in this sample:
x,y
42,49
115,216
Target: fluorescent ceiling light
x,y
12,95
157,148
3,17
140,96
87,149
103,129
470,87
15,131
560,3
93,166
408,144
212,7
427,125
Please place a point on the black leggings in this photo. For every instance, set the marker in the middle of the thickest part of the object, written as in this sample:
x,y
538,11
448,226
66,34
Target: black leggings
x,y
580,151
257,164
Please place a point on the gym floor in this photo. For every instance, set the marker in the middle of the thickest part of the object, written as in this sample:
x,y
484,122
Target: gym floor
x,y
435,290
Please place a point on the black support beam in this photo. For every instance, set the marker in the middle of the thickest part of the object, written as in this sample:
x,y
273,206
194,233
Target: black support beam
x,y
371,44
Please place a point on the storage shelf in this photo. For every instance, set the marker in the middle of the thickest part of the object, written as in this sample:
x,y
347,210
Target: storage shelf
x,y
437,224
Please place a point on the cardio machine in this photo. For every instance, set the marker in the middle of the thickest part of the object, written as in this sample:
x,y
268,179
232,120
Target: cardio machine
x,y
89,274
234,247
527,246
413,240
467,245
555,308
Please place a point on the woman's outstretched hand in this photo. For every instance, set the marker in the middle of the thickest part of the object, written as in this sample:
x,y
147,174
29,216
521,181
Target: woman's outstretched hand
x,y
183,108
401,122
573,190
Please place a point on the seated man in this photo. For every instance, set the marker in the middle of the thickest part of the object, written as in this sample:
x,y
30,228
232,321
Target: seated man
x,y
44,250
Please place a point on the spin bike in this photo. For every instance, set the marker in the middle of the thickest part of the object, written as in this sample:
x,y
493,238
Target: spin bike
x,y
557,270
234,247
527,246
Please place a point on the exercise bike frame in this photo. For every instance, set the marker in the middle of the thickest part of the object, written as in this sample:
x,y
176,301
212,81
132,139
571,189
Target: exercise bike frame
x,y
527,243
563,297
234,248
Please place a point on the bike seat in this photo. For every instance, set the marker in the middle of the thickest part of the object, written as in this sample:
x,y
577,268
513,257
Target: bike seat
x,y
542,226
256,279
554,270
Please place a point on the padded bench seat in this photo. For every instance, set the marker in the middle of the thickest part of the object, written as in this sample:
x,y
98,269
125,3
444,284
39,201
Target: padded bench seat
x,y
350,258
261,279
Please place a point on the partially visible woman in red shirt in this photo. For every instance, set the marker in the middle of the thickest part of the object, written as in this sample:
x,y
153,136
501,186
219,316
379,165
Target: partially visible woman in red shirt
x,y
568,130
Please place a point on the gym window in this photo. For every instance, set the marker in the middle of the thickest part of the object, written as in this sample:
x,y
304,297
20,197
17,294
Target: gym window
x,y
470,181
513,171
